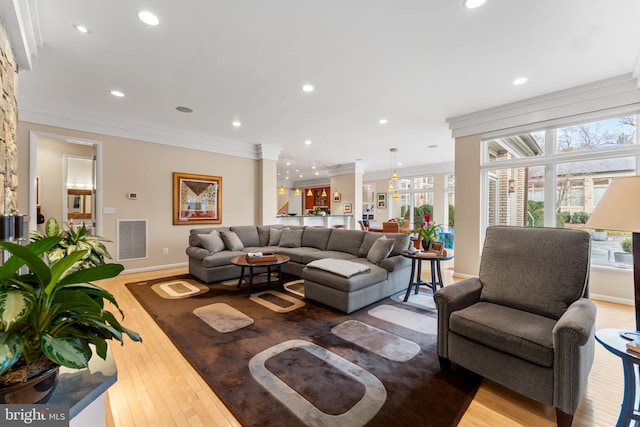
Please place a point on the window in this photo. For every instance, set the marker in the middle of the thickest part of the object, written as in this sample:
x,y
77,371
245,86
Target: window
x,y
578,163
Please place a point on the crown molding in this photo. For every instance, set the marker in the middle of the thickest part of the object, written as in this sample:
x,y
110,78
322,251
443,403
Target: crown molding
x,y
268,152
51,116
356,167
20,19
616,92
429,169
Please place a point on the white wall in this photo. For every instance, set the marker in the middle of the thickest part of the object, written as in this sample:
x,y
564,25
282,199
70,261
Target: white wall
x,y
146,168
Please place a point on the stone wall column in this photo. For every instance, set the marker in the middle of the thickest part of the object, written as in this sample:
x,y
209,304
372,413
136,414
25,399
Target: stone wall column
x,y
9,120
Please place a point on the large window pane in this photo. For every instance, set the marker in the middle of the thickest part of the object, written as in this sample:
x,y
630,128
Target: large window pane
x,y
597,135
400,207
516,196
423,183
516,146
579,187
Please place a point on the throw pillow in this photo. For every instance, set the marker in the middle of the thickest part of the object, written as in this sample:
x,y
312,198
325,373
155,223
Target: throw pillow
x,y
231,241
380,250
291,239
274,236
212,241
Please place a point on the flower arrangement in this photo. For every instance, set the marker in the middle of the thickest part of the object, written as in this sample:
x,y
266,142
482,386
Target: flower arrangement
x,y
400,221
428,230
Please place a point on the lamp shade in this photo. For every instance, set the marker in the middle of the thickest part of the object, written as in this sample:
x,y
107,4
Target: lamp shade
x,y
619,207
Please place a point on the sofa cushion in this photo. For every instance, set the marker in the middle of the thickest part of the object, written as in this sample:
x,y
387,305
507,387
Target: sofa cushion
x,y
346,284
274,237
248,234
291,238
316,237
212,241
297,254
220,258
402,242
231,241
318,254
550,265
367,242
380,250
348,241
525,335
195,232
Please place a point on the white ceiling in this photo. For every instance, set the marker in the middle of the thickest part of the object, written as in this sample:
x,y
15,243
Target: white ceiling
x,y
414,62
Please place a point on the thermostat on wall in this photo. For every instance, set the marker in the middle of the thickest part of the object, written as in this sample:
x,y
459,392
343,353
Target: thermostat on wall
x,y
132,196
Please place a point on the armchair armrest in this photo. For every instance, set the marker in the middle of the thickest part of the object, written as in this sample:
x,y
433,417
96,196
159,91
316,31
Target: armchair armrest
x,y
196,252
574,347
452,298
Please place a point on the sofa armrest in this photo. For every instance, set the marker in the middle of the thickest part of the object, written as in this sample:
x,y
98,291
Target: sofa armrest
x,y
574,348
196,252
395,262
452,298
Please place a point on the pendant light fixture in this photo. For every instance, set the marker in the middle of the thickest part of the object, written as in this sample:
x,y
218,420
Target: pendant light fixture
x,y
309,192
281,190
394,176
297,191
324,193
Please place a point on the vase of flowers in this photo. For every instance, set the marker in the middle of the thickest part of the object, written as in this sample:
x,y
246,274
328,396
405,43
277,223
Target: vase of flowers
x,y
428,231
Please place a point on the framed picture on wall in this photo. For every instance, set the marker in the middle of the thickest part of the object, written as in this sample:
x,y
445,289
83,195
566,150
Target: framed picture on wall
x,y
346,208
382,200
197,199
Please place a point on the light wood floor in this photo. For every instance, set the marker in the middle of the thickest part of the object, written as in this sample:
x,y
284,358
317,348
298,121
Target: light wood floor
x,y
157,387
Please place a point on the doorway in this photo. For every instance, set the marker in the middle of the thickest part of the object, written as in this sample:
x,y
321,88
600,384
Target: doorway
x,y
65,176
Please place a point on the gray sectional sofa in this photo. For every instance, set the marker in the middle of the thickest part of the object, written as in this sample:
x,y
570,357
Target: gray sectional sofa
x,y
328,259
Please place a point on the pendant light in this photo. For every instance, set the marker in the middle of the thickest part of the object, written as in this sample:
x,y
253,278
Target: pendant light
x,y
297,191
324,193
281,190
309,192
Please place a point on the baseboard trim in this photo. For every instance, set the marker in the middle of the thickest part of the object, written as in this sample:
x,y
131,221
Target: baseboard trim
x,y
607,298
155,267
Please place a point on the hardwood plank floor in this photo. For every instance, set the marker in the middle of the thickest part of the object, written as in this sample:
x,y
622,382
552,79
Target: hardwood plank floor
x,y
157,387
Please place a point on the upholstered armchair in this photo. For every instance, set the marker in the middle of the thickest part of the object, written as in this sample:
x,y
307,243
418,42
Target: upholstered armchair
x,y
526,321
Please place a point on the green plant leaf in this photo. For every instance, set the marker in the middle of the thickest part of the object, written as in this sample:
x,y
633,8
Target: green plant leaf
x,y
112,320
67,352
104,271
10,350
60,267
51,228
14,306
30,257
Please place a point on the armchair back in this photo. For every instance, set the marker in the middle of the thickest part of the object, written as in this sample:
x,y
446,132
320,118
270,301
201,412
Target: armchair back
x,y
539,270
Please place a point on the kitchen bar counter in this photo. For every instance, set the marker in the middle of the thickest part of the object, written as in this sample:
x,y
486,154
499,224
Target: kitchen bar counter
x,y
329,221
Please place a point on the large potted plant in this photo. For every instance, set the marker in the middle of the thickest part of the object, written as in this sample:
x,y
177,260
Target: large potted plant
x,y
51,316
73,238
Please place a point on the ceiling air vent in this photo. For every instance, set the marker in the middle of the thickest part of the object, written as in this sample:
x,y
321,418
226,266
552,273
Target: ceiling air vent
x,y
132,239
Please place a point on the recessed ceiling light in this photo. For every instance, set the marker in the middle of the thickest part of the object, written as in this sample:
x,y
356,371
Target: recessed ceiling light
x,y
383,121
432,146
117,93
472,4
301,175
184,109
317,173
82,29
236,123
308,142
288,164
307,88
148,17
519,81
313,167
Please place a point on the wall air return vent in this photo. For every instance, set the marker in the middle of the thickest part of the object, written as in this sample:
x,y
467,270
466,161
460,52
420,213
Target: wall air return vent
x,y
132,239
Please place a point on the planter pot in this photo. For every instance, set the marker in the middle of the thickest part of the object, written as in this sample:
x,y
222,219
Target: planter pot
x,y
425,245
35,390
599,236
623,258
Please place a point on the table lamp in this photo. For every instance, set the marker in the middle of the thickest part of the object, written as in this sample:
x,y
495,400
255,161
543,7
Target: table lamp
x,y
619,209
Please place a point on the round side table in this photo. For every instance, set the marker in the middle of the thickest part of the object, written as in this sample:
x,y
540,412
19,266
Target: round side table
x,y
612,341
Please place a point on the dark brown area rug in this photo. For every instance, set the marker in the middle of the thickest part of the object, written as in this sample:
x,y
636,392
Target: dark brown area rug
x,y
276,359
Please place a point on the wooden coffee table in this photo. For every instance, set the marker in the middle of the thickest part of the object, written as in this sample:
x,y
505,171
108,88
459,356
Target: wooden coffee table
x,y
241,261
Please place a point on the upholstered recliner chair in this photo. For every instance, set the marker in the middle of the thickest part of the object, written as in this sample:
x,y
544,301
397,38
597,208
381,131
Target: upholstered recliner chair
x,y
526,321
